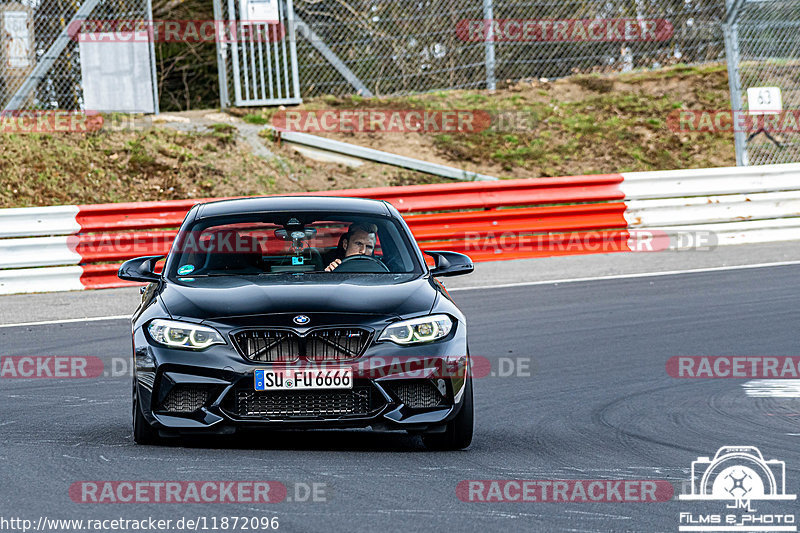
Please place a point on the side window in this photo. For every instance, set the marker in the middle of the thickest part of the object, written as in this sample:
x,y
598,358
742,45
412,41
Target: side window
x,y
397,256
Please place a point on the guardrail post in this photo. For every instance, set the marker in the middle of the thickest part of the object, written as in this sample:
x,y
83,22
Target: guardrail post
x,y
488,19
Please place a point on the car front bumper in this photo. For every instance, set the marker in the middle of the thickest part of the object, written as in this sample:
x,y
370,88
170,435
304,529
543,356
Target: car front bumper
x,y
212,391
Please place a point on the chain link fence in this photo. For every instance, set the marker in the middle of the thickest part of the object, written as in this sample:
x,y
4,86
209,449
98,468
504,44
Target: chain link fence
x,y
764,55
40,64
403,46
388,47
391,47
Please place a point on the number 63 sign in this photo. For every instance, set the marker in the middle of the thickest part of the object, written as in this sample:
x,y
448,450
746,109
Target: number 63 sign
x,y
764,100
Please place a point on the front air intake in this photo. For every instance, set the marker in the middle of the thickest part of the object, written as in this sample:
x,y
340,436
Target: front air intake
x,y
416,393
305,404
185,398
286,346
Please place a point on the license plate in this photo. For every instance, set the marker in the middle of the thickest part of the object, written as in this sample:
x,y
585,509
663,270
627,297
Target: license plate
x,y
304,378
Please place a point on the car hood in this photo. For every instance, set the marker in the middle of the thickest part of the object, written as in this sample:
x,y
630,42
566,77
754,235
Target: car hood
x,y
232,296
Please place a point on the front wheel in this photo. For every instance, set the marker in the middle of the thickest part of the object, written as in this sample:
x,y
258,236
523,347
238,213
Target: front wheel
x,y
458,434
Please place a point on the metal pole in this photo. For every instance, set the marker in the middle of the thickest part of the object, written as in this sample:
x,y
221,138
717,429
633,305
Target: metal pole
x,y
222,51
387,158
292,36
731,34
488,20
236,41
152,42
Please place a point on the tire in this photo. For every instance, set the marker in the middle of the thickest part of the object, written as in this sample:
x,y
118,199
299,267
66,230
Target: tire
x,y
143,432
458,434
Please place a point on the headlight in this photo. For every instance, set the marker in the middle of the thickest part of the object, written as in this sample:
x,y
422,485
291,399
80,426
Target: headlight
x,y
183,335
418,330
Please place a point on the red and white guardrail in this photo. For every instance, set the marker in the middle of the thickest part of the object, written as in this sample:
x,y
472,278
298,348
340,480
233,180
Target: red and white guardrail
x,y
80,247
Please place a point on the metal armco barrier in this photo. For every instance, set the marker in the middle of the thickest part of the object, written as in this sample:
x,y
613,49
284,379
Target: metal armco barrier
x,y
80,247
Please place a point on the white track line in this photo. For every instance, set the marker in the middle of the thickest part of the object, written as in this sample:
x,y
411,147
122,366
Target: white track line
x,y
66,321
625,276
522,284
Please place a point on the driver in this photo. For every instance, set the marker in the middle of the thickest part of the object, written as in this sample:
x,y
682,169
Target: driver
x,y
359,240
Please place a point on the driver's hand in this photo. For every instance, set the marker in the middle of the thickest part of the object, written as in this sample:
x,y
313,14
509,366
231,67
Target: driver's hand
x,y
333,265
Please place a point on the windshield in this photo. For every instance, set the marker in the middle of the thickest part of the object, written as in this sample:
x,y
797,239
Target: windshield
x,y
292,243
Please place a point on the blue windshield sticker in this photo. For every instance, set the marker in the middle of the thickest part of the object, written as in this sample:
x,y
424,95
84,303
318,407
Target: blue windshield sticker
x,y
185,269
297,260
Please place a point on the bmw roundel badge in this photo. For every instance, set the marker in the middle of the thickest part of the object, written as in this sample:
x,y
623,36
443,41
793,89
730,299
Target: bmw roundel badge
x,y
301,320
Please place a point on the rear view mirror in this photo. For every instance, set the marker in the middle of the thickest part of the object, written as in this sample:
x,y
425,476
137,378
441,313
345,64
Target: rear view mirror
x,y
141,269
308,234
450,263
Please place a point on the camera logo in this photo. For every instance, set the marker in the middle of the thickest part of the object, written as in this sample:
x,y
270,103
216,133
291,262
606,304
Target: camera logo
x,y
738,473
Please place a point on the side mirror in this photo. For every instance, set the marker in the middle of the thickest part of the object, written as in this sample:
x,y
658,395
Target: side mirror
x,y
450,263
140,269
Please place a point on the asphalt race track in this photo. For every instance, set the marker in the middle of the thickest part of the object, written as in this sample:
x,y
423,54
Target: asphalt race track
x,y
598,404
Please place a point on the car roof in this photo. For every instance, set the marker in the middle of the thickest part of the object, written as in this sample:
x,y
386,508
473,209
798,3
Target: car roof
x,y
269,204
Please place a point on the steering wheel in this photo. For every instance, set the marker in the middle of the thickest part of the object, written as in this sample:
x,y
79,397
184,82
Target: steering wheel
x,y
362,263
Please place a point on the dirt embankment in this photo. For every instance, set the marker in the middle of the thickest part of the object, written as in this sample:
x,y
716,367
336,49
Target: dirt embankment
x,y
582,125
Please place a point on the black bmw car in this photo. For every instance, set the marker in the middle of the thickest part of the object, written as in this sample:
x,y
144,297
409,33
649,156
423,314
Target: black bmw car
x,y
299,312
